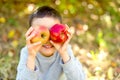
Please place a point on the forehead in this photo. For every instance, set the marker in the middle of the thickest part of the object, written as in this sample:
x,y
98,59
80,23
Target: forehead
x,y
45,21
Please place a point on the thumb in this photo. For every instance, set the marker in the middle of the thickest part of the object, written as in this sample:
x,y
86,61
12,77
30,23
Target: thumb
x,y
56,45
52,43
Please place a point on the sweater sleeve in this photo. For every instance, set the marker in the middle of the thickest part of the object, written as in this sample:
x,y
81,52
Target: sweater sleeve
x,y
23,72
73,68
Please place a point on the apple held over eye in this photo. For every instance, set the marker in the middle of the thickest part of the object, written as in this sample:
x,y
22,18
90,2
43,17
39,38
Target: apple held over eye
x,y
42,34
58,33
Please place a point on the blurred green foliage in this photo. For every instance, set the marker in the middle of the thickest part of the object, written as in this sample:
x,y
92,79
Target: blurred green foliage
x,y
96,42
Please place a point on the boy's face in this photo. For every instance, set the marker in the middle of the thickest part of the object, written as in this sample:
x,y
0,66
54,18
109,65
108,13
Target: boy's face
x,y
46,49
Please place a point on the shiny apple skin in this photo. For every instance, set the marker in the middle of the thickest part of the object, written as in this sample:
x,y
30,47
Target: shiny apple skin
x,y
42,35
58,33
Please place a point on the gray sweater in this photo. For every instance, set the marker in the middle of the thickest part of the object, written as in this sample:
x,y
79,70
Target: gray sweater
x,y
50,68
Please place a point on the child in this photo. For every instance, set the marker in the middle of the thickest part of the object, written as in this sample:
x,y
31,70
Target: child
x,y
50,61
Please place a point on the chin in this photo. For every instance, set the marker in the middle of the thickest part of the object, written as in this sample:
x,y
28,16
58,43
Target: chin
x,y
47,51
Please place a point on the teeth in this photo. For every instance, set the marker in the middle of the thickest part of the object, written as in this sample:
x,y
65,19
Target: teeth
x,y
47,46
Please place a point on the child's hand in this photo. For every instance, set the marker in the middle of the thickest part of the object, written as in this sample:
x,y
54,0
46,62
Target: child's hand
x,y
32,47
62,48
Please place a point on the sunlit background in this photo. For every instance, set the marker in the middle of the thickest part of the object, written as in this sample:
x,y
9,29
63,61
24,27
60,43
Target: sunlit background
x,y
96,40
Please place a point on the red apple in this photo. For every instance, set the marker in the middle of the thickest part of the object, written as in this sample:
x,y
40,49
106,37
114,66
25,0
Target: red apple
x,y
42,34
58,33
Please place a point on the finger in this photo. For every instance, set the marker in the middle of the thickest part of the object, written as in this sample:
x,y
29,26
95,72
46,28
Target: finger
x,y
56,45
29,38
72,29
68,40
70,32
67,27
29,31
28,42
52,43
37,44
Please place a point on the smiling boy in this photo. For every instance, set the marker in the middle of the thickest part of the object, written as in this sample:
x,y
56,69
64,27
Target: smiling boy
x,y
50,61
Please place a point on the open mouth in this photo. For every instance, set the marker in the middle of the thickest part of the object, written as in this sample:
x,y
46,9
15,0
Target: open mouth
x,y
47,46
